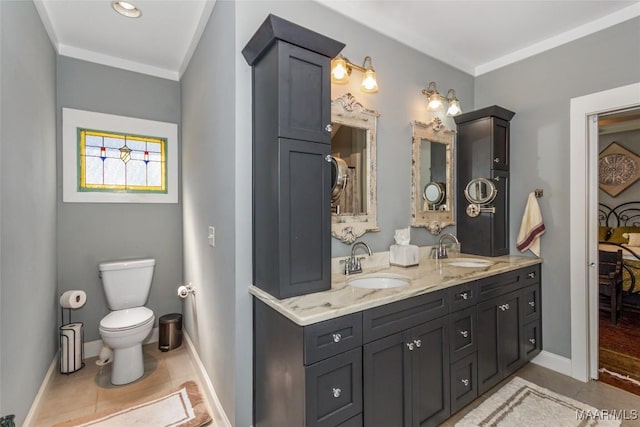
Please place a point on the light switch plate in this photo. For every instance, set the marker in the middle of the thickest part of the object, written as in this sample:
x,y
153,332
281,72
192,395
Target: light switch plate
x,y
212,236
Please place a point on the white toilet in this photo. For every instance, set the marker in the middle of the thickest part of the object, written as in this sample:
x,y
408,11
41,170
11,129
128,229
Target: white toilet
x,y
126,285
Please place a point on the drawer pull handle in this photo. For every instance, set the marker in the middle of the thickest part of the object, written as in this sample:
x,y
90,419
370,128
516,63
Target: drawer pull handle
x,y
328,127
532,275
337,337
532,341
336,392
532,303
410,346
418,343
465,382
464,295
504,307
464,333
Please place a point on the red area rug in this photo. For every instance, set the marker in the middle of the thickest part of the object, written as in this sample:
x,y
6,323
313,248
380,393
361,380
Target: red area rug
x,y
620,351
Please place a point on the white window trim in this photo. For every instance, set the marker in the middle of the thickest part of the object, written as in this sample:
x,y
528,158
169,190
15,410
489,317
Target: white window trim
x,y
73,119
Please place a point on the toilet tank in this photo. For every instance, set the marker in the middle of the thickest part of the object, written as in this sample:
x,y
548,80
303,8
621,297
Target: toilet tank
x,y
127,283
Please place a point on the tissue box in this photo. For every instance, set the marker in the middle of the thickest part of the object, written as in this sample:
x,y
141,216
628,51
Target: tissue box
x,y
403,256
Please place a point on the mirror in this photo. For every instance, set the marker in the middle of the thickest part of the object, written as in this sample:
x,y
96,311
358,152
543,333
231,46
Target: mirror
x,y
480,191
432,190
353,174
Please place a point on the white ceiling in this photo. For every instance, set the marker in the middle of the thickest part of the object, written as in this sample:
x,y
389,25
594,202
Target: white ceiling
x,y
475,36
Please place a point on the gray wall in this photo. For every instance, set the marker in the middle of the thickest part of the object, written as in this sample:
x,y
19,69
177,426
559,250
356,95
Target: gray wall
x,y
209,193
28,209
402,73
539,90
631,141
89,233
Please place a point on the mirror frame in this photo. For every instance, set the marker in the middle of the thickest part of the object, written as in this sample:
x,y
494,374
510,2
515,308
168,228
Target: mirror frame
x,y
434,131
346,110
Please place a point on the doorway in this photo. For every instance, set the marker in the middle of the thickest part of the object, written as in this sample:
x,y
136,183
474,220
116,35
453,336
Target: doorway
x,y
584,222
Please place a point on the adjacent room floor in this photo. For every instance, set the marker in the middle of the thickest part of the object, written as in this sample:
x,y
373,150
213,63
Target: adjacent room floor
x,y
89,391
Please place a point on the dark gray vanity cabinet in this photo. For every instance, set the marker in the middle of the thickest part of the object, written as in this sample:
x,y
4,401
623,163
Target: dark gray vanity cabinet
x,y
483,152
291,145
306,376
406,374
508,317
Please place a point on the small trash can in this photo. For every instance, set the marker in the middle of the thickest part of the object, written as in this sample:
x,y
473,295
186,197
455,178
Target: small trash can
x,y
170,334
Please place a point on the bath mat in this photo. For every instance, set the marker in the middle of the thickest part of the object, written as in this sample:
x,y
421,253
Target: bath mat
x,y
183,407
520,403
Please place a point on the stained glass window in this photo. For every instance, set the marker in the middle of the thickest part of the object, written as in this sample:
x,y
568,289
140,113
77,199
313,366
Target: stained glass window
x,y
109,161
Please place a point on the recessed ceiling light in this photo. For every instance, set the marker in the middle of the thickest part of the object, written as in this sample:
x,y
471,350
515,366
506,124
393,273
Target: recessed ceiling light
x,y
126,9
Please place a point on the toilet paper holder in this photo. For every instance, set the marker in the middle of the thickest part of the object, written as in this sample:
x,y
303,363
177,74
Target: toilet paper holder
x,y
71,342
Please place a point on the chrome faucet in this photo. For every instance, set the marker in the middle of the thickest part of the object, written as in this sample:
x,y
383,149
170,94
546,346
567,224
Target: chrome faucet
x,y
441,250
352,264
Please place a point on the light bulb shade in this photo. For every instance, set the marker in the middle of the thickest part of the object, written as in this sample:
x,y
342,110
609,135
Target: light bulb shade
x,y
369,83
454,107
434,102
339,70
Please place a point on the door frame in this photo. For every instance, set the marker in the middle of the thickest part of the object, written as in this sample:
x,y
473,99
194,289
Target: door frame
x,y
583,197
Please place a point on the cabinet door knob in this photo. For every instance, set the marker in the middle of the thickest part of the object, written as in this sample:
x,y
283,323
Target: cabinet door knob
x,y
532,275
328,158
336,392
465,382
410,346
506,306
464,295
337,337
464,333
497,178
328,127
532,341
496,160
418,343
501,307
532,303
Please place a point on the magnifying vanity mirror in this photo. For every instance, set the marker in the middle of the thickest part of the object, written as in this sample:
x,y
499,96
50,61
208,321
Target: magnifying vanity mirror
x,y
353,152
479,192
432,190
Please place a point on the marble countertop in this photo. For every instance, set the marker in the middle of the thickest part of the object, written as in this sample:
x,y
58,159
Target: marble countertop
x,y
428,276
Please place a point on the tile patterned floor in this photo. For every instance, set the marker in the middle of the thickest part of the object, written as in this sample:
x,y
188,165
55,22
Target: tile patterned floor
x,y
89,390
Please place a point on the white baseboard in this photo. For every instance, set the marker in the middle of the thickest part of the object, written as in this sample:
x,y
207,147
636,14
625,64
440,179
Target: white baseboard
x,y
554,362
204,378
28,421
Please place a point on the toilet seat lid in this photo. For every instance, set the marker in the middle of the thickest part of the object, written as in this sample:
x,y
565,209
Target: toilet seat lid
x,y
126,319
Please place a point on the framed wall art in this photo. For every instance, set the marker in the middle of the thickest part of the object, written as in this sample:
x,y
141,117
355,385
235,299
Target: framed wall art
x,y
618,168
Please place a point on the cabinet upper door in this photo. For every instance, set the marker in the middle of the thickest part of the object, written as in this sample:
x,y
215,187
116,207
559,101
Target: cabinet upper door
x,y
304,220
500,144
305,94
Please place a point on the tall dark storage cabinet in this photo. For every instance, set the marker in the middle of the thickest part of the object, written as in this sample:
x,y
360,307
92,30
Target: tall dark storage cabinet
x,y
483,152
291,170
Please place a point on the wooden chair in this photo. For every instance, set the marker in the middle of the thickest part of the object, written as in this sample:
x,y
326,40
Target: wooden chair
x,y
610,283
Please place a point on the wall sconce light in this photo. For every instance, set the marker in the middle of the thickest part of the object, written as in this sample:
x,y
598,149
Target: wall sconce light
x,y
434,100
341,70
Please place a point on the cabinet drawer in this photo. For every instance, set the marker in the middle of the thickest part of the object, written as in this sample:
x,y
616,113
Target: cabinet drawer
x,y
462,333
531,303
328,338
334,389
507,282
391,318
462,296
532,336
464,388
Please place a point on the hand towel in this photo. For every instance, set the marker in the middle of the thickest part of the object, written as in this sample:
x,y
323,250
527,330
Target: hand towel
x,y
531,227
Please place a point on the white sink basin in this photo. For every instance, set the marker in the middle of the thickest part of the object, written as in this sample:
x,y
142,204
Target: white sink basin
x,y
378,282
469,262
